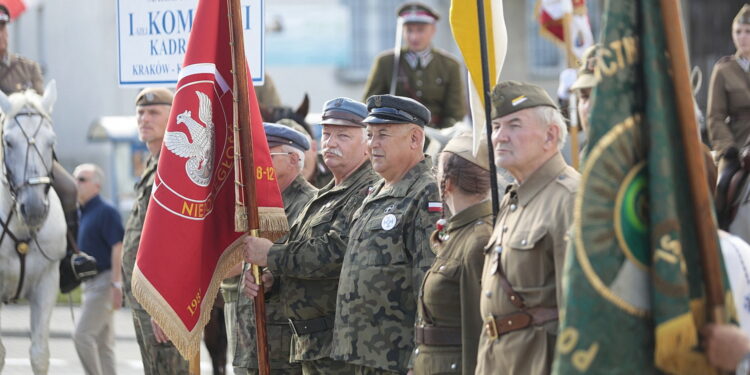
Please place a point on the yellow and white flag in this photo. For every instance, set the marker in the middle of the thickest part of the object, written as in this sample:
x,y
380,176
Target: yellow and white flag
x,y
463,20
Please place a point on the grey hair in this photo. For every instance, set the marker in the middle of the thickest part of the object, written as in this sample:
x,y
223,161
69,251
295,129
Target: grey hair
x,y
300,155
95,169
551,116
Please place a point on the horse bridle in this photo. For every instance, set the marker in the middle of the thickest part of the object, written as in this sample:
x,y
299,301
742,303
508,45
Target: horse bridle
x,y
31,142
22,245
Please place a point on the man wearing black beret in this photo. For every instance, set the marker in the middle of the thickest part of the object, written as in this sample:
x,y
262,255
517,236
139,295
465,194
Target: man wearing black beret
x,y
389,249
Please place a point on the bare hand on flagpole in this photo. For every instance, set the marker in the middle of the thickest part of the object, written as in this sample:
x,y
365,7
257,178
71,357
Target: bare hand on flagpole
x,y
250,288
160,336
256,250
725,345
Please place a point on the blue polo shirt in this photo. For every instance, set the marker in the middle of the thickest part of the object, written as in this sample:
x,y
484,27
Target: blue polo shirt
x,y
101,227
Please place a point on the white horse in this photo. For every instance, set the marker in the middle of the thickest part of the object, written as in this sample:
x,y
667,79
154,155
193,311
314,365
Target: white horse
x,y
32,225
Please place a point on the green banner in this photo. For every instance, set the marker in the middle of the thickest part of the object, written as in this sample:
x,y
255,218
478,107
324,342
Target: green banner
x,y
633,297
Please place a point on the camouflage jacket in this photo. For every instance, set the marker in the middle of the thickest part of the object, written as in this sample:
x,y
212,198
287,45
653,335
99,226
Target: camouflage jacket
x,y
386,258
295,197
309,263
18,74
134,227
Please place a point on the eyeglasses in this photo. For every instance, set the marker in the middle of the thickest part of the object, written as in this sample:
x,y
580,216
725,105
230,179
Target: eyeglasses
x,y
281,153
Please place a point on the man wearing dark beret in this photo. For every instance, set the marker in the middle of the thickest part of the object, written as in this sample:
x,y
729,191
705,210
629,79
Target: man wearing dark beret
x,y
287,146
309,263
389,249
521,280
427,74
158,353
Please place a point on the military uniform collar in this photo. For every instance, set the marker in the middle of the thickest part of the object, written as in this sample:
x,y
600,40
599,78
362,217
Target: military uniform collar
x,y
470,215
413,58
742,62
401,188
540,178
352,179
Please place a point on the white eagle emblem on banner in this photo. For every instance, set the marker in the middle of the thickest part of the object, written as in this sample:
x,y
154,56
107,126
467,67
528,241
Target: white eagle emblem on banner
x,y
200,151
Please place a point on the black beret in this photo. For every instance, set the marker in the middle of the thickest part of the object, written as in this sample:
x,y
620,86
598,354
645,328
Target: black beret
x,y
513,96
391,109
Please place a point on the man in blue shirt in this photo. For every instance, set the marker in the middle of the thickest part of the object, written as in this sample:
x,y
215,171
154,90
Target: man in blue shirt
x,y
100,235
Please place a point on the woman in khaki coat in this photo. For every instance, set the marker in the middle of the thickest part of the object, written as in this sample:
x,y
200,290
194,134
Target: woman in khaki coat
x,y
729,92
449,323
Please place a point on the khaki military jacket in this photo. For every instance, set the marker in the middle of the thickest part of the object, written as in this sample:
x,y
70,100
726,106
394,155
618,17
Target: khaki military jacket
x,y
438,86
309,263
529,242
19,73
134,227
729,106
450,292
295,197
386,258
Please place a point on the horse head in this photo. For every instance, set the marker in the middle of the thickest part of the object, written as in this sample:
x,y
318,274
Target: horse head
x,y
28,141
274,114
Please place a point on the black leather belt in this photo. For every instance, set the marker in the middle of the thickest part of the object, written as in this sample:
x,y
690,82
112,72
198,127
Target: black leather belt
x,y
306,327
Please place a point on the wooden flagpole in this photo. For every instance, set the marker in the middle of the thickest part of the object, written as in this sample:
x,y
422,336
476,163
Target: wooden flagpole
x,y
703,207
242,109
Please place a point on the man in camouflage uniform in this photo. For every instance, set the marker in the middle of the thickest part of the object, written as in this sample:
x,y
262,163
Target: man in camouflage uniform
x,y
159,355
389,249
287,151
17,74
524,258
309,263
427,74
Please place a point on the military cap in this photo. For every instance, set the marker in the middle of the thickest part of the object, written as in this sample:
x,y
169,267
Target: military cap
x,y
391,109
345,112
586,77
416,12
154,96
743,16
294,125
4,14
462,145
278,135
512,96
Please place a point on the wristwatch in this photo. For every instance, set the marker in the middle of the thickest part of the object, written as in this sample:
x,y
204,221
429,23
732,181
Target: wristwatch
x,y
743,368
117,284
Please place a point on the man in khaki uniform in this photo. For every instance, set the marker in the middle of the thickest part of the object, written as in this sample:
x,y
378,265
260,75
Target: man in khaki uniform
x,y
524,258
729,92
158,354
17,74
287,151
427,74
309,263
388,251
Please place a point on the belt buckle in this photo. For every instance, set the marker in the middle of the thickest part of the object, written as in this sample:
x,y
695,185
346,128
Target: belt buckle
x,y
491,327
291,325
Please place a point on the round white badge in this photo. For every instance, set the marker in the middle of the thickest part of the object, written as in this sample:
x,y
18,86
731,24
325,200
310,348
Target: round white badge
x,y
389,221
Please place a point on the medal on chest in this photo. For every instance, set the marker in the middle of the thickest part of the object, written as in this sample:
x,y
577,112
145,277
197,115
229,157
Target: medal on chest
x,y
388,222
442,230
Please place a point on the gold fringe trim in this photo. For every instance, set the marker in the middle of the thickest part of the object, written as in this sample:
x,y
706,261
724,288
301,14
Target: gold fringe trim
x,y
273,223
676,344
187,342
240,218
